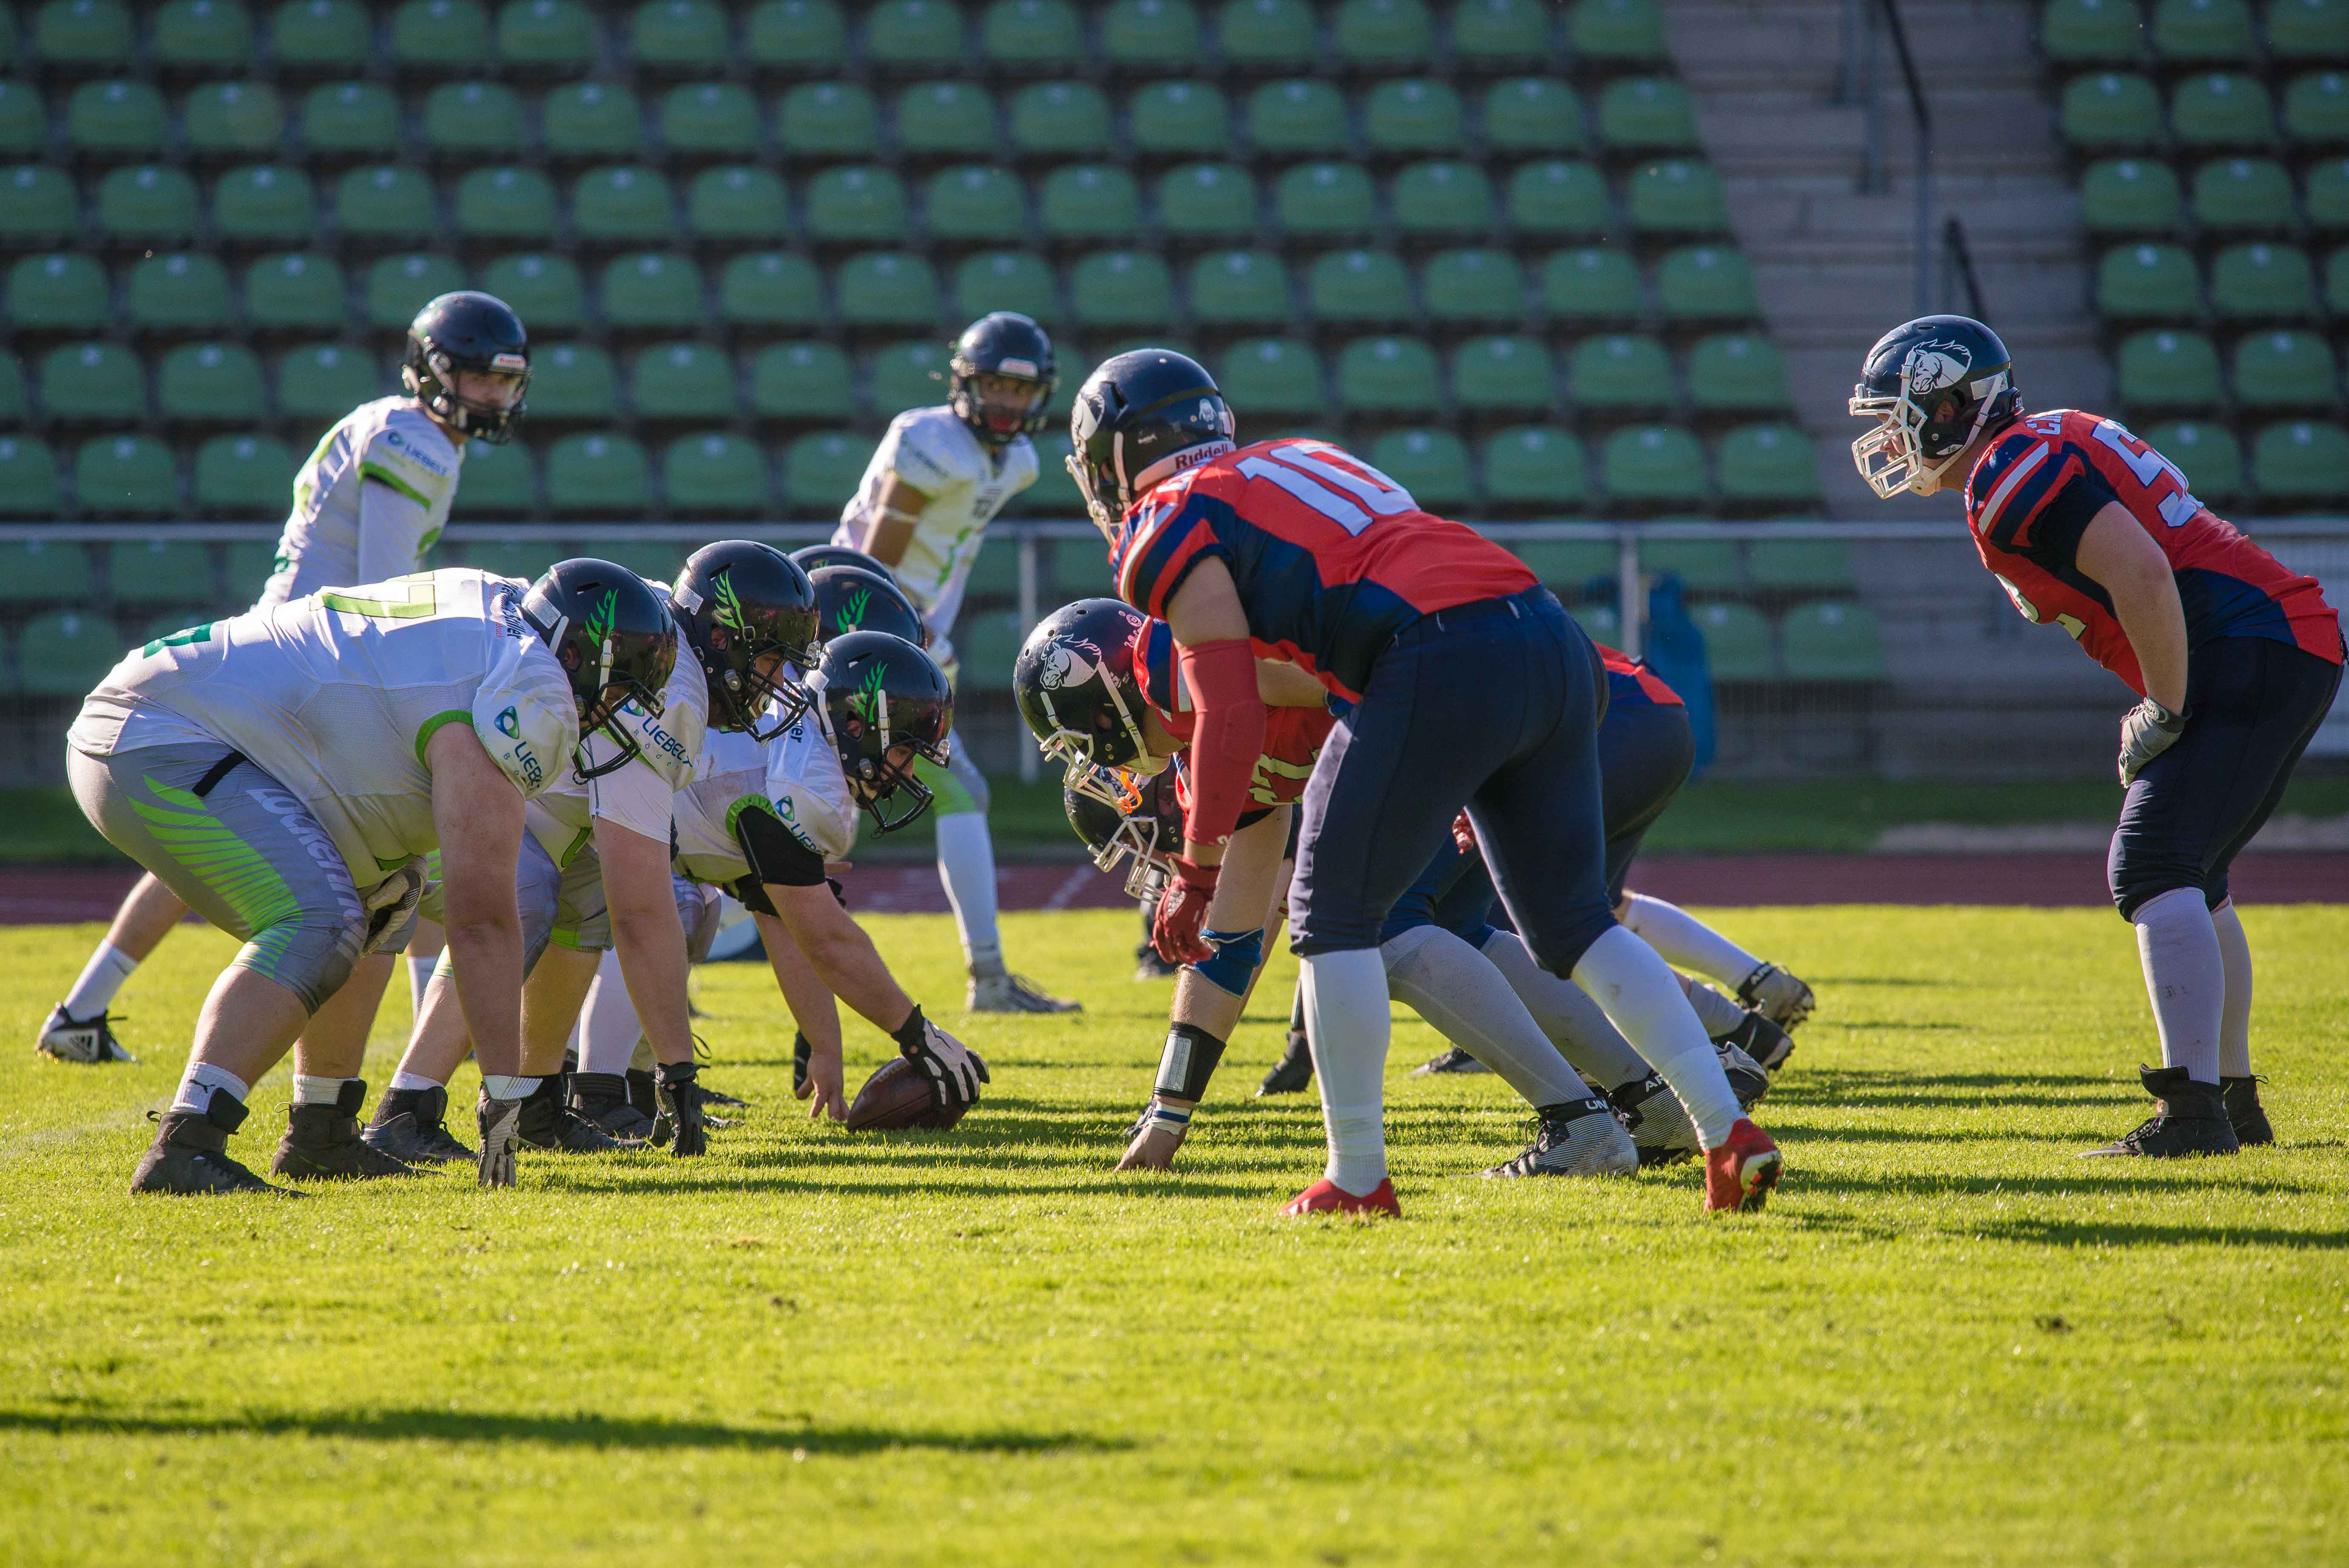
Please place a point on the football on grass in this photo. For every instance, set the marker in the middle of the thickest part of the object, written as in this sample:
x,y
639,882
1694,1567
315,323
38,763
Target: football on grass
x,y
897,1095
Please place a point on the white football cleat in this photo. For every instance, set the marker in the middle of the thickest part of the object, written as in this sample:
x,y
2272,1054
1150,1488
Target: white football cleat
x,y
70,1039
1014,994
1581,1138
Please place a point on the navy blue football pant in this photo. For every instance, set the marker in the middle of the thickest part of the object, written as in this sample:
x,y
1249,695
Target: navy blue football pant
x,y
2252,705
1493,706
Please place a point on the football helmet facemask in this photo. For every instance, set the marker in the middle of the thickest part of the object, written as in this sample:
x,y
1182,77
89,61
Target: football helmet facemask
x,y
1933,385
878,694
611,632
1122,815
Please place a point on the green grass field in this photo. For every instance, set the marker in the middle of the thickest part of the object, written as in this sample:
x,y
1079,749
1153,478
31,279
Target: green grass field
x,y
1946,1341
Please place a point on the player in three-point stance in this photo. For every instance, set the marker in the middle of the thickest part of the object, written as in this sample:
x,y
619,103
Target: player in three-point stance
x,y
936,481
2234,658
368,505
1471,687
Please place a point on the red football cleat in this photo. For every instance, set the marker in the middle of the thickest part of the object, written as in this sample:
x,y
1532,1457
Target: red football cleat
x,y
1326,1197
1740,1172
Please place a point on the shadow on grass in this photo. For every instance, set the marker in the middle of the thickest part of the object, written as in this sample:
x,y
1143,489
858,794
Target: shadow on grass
x,y
2151,1184
1867,1086
575,1430
1089,1179
2091,1234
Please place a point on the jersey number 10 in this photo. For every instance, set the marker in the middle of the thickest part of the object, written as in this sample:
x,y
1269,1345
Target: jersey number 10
x,y
1316,482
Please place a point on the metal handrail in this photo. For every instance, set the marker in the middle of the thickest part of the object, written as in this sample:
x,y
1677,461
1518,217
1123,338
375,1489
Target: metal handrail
x,y
1960,261
1860,80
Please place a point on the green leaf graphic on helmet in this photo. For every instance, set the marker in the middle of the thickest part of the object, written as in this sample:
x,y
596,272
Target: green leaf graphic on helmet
x,y
598,620
852,598
851,610
613,635
885,702
729,606
866,698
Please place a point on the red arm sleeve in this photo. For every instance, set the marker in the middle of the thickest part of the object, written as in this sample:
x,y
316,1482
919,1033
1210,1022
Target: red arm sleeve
x,y
1228,739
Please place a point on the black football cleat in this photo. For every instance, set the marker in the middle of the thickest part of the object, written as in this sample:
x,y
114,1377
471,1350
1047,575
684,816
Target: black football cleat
x,y
1761,1040
602,1099
802,1054
1451,1059
322,1143
1659,1124
680,1124
2190,1119
641,1093
1776,994
189,1154
1747,1081
499,1121
2244,1112
67,1039
1578,1138
546,1122
1293,1073
412,1125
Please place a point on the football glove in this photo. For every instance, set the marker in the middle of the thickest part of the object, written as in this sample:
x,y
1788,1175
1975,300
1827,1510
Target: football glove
x,y
391,902
1183,912
954,1069
2147,731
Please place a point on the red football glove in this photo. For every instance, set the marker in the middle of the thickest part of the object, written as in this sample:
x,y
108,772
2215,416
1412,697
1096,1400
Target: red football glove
x,y
1183,912
1463,833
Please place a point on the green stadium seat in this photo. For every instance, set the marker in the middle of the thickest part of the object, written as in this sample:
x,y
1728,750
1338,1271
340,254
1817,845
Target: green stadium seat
x,y
573,381
675,37
116,118
1811,564
126,476
1390,375
2148,282
682,381
67,652
93,383
350,118
2327,195
1647,114
646,289
83,34
829,119
549,35
908,375
1414,115
472,119
1473,285
1707,282
2092,32
432,37
1033,34
1618,33
822,471
1536,468
1089,202
712,118
23,120
1122,289
1677,196
591,474
257,203
1533,114
2285,370
801,382
715,472
1488,32
1507,371
1702,565
151,204
1273,377
36,204
251,475
1621,371
2316,109
887,288
2196,30
1240,288
1359,286
1594,284
322,383
1833,640
2131,196
914,35
56,293
737,201
1006,279
2263,283
2301,461
317,37
2221,108
2113,110
2336,282
1299,115
2308,30
29,487
1208,200
500,481
795,35
1739,372
1770,464
1063,118
233,118
771,289
178,293
385,202
1325,199
543,288
202,36
973,202
954,119
1432,465
1440,196
15,399
1181,118
1737,641
591,119
1383,35
2208,455
1267,35
857,202
1653,464
210,384
627,204
1150,35
2169,369
35,571
399,286
1568,564
2236,195
1558,196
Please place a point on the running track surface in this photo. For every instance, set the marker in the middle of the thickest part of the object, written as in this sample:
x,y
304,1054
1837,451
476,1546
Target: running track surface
x,y
32,895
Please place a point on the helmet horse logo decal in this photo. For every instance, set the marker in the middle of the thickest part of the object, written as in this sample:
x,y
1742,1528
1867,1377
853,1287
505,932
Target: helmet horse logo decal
x,y
1065,666
1932,367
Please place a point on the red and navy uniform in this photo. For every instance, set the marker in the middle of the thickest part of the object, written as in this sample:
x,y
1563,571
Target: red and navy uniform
x,y
1630,683
2264,650
1292,736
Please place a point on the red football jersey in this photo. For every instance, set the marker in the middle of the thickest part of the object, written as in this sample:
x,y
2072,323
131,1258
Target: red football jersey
x,y
1293,736
1331,557
2033,492
1630,680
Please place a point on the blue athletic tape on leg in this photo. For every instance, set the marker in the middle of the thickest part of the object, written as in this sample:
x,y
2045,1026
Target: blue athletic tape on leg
x,y
1237,955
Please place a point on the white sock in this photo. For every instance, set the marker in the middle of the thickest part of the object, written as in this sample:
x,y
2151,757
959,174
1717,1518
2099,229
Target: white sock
x,y
2184,978
197,1084
311,1089
1686,942
1719,1015
404,1079
1565,1012
2235,1021
1455,988
498,1086
102,977
1643,997
607,1023
966,867
1347,1024
419,976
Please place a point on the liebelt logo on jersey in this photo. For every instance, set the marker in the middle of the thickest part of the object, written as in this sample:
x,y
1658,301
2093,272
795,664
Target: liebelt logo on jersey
x,y
509,723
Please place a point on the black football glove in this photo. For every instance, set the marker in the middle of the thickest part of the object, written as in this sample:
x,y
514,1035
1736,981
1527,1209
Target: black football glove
x,y
2147,731
954,1069
679,1117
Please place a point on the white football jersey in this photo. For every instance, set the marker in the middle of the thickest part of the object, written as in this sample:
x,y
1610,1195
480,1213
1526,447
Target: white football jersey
x,y
933,450
797,775
637,797
335,695
369,503
732,774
